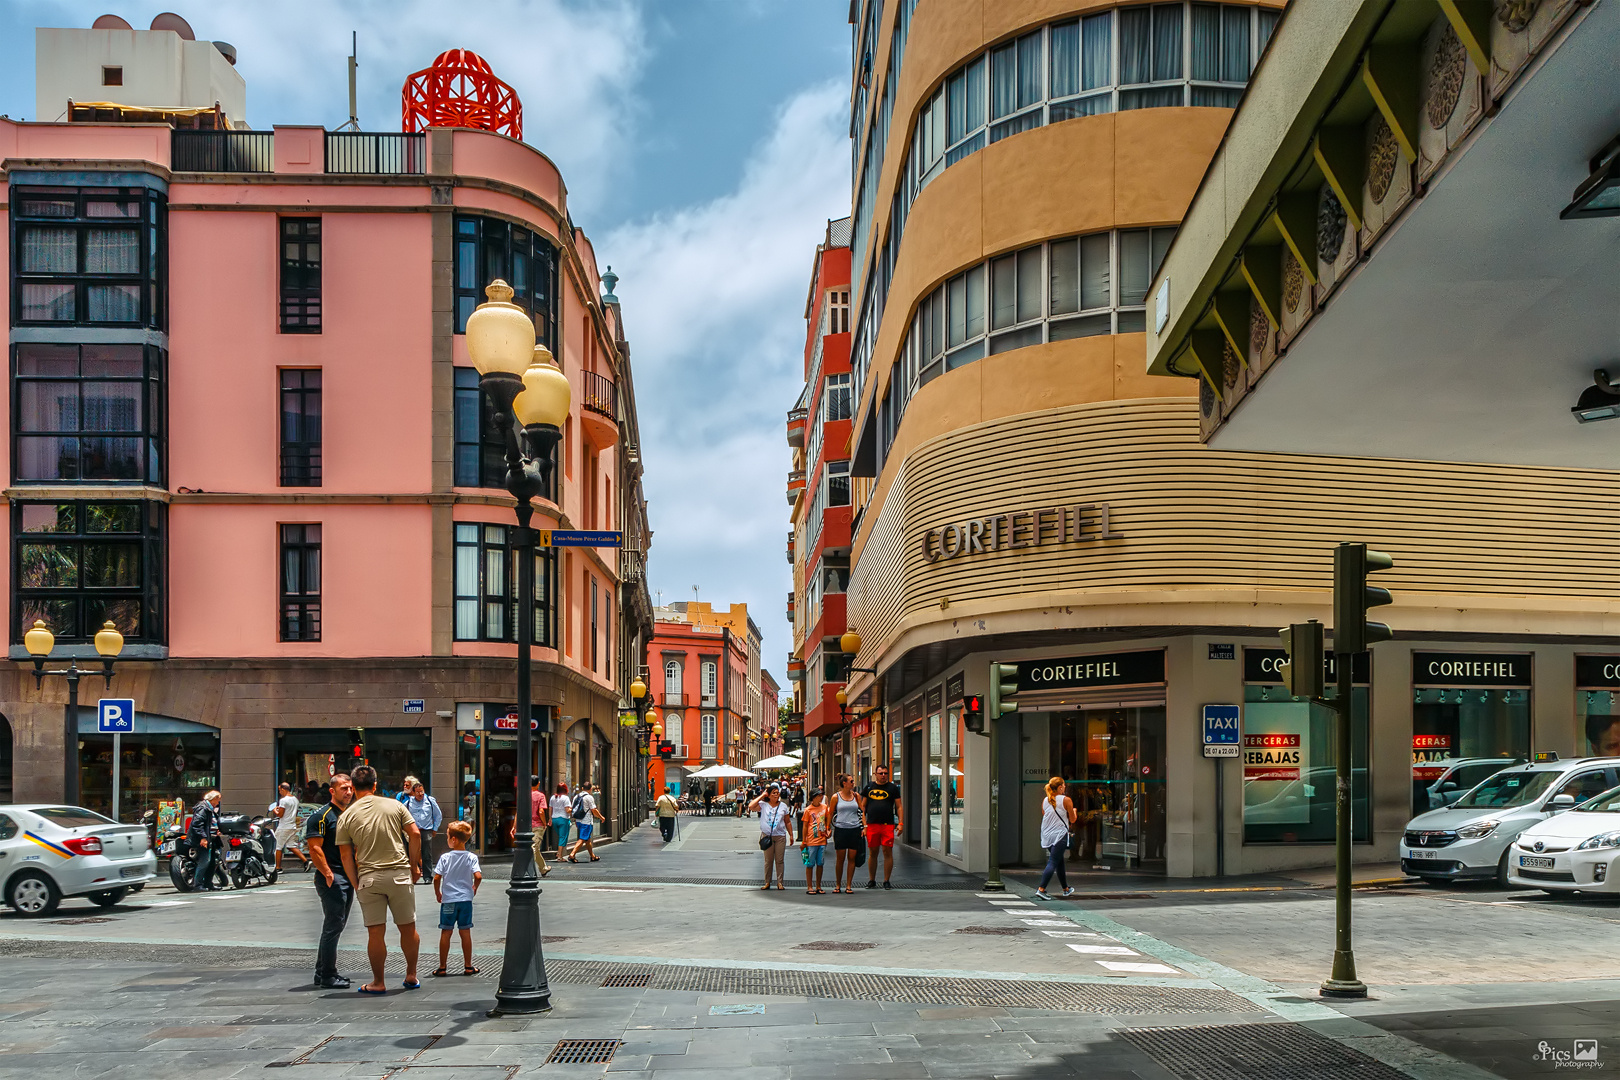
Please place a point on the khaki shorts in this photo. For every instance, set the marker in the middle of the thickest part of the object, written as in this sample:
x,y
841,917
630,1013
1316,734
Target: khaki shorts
x,y
385,892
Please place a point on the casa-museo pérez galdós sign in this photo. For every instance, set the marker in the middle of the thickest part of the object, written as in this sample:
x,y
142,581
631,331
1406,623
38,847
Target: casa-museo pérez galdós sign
x,y
1020,529
1075,672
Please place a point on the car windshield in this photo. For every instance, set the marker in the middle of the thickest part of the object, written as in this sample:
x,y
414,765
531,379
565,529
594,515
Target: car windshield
x,y
71,817
1606,803
1510,788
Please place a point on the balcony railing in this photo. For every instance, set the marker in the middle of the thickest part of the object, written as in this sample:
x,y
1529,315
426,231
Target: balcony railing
x,y
222,151
380,153
601,396
676,698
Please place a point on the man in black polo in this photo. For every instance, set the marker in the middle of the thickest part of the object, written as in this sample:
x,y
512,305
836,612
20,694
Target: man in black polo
x,y
331,883
881,802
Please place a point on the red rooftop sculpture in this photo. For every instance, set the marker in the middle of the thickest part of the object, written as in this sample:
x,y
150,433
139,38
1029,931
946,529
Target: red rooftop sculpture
x,y
460,90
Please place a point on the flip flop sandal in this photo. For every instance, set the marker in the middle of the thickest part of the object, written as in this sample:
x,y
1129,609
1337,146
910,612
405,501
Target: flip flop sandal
x,y
411,984
596,858
441,973
376,993
469,971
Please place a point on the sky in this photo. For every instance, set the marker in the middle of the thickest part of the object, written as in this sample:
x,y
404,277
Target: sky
x,y
704,144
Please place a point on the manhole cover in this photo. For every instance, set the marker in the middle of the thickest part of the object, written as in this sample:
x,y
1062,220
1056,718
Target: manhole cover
x,y
1255,1052
583,1052
837,946
632,978
86,921
1002,931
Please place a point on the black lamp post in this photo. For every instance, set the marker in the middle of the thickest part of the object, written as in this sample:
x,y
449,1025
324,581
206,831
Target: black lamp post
x,y
531,399
39,642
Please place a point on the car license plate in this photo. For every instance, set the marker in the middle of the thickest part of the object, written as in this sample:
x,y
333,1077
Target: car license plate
x,y
233,857
1532,862
1419,853
131,871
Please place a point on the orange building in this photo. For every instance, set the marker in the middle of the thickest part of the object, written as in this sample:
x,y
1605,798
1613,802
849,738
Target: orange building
x,y
698,659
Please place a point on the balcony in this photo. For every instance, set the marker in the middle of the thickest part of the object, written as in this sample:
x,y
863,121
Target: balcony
x,y
795,487
222,151
600,412
796,419
790,549
376,153
673,699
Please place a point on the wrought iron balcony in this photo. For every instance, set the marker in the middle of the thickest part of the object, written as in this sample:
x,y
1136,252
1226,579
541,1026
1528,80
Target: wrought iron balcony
x,y
380,153
601,396
222,151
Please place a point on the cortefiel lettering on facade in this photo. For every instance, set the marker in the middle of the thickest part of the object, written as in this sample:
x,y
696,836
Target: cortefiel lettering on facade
x,y
1023,529
1470,669
1268,665
1114,669
1597,672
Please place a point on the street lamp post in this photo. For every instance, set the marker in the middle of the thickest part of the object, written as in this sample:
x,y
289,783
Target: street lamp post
x,y
641,701
531,399
39,642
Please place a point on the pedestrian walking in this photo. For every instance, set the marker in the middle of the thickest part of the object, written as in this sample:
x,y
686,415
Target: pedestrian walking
x,y
203,832
561,811
332,882
708,800
377,861
1057,815
425,811
539,818
667,808
847,822
584,816
286,832
404,791
880,800
456,877
775,833
813,835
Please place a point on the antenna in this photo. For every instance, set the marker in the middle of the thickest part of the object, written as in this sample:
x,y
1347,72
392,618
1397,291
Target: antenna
x,y
354,64
694,594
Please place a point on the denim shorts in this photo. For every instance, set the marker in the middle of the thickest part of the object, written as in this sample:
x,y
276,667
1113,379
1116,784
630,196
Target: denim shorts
x,y
584,829
456,914
813,855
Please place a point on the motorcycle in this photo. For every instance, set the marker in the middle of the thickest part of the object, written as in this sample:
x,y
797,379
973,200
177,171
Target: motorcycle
x,y
181,852
250,849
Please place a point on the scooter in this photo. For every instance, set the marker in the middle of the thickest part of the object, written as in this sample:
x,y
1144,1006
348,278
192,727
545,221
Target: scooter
x,y
181,852
249,846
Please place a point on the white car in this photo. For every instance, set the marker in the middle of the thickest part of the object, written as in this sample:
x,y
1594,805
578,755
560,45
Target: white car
x,y
48,852
1575,851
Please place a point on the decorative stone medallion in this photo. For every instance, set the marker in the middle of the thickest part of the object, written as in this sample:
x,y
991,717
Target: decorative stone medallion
x,y
1381,161
1231,367
1330,222
1515,15
1206,397
1446,73
1259,327
1293,282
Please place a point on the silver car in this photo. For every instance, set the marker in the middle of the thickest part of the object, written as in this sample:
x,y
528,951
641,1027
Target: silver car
x,y
48,852
1470,838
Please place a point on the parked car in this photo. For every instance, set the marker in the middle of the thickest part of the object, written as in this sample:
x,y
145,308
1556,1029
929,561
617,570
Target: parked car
x,y
1470,838
1438,784
48,852
1577,850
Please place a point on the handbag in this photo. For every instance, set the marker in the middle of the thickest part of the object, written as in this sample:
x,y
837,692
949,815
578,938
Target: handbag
x,y
765,842
860,851
766,839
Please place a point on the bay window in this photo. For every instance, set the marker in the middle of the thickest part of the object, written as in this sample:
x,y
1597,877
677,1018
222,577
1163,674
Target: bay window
x,y
87,256
77,565
485,585
487,248
88,412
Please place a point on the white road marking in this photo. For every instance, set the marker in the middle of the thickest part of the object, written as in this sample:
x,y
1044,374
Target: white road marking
x,y
1013,903
161,903
1069,933
1047,922
1146,969
1108,950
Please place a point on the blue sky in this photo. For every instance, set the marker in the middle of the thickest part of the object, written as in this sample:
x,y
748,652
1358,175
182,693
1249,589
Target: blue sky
x,y
704,143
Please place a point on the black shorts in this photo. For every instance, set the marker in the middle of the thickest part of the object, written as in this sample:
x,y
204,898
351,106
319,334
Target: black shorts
x,y
846,839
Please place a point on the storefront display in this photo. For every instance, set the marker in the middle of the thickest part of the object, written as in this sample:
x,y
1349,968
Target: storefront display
x,y
486,769
1597,705
307,758
162,760
1467,706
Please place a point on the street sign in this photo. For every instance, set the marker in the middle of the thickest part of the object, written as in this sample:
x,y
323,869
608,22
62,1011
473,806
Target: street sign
x,y
414,705
580,538
1220,731
115,716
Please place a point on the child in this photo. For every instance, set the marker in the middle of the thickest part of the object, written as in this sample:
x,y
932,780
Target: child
x,y
813,842
455,882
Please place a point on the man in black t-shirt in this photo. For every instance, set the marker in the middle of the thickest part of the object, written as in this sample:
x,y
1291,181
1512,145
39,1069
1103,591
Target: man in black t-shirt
x,y
880,800
331,883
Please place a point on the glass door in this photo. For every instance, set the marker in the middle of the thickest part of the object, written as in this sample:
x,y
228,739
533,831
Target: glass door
x,y
1113,760
936,773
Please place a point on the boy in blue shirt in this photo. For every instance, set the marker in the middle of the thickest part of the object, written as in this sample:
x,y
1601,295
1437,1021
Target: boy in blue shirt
x,y
455,882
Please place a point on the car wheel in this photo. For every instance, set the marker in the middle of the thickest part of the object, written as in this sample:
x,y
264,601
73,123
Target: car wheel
x,y
107,897
1502,870
32,894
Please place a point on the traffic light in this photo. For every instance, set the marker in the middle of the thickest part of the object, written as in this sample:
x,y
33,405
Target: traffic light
x,y
666,750
1003,690
1352,596
1304,644
973,714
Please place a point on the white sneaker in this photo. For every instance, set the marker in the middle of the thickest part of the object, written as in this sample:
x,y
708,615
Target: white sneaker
x,y
1040,894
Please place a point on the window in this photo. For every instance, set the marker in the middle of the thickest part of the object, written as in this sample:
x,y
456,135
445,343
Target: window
x,y
88,412
300,275
1221,43
594,632
837,483
486,586
301,427
836,403
78,565
709,734
480,451
1017,82
672,684
300,583
672,731
112,76
1150,52
488,248
710,686
837,312
87,256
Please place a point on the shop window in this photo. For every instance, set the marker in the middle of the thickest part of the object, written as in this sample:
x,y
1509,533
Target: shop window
x,y
300,583
87,256
88,412
1598,714
78,565
306,759
301,427
1450,724
153,768
1289,769
489,248
486,586
301,275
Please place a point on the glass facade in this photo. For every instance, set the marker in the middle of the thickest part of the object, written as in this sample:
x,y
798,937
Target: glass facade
x,y
88,412
307,758
1112,760
153,768
1467,706
488,248
87,256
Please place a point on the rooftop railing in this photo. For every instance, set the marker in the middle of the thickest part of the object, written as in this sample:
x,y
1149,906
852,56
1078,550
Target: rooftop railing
x,y
379,153
222,151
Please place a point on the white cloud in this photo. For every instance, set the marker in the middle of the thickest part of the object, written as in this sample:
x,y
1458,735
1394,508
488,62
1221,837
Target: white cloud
x,y
714,303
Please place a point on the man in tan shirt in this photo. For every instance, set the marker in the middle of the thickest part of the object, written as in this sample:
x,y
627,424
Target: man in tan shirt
x,y
383,873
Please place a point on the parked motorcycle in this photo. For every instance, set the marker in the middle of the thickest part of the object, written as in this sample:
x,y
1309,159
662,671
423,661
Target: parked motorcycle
x,y
250,849
182,855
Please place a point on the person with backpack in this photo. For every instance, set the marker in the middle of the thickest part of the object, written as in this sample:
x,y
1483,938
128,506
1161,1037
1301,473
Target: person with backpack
x,y
424,810
584,815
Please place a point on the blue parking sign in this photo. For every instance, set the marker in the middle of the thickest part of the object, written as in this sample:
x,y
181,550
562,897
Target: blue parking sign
x,y
115,715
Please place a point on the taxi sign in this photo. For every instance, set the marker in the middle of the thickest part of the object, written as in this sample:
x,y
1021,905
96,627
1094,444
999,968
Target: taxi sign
x,y
1220,731
1547,755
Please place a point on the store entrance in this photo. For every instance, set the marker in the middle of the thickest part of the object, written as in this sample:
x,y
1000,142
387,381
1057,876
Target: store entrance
x,y
1113,760
487,769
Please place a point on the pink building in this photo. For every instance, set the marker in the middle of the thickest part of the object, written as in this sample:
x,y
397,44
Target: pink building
x,y
245,429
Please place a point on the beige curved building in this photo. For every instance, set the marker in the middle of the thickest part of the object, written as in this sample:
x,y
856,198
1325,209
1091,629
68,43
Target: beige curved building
x,y
1026,494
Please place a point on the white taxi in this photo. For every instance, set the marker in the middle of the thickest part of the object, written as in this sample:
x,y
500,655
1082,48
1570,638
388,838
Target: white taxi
x,y
48,852
1575,851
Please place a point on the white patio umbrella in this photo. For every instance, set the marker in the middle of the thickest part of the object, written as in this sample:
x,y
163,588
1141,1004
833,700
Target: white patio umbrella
x,y
933,770
719,772
780,761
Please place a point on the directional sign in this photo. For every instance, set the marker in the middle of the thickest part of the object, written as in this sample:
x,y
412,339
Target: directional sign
x,y
580,538
115,716
1220,731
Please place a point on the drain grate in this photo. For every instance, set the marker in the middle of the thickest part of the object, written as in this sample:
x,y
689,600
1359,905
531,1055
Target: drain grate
x,y
837,946
580,875
583,1052
86,921
1279,1051
1003,931
628,978
1112,999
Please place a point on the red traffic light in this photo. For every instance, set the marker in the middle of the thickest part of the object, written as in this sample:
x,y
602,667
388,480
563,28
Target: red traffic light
x,y
359,751
973,704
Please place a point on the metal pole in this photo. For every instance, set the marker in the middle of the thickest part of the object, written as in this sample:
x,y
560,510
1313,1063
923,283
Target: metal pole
x,y
118,756
992,880
1343,982
70,739
1220,818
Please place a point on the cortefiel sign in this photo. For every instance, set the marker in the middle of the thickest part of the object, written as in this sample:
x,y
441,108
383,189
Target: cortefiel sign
x,y
1470,669
1267,665
1109,669
1597,672
1020,529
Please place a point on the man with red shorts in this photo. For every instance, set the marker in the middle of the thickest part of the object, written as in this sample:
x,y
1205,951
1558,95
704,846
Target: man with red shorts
x,y
881,801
